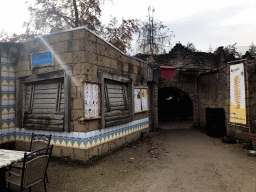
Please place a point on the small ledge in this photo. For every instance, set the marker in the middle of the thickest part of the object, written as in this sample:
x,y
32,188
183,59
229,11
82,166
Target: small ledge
x,y
238,125
88,118
142,111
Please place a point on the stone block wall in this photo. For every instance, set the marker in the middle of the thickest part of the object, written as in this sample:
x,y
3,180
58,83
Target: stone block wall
x,y
213,92
185,83
83,54
181,57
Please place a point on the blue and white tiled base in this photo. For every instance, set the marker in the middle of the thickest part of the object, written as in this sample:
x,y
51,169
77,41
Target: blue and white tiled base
x,y
8,93
81,140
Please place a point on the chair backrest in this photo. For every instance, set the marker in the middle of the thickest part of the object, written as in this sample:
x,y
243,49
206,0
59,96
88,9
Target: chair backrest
x,y
35,166
39,141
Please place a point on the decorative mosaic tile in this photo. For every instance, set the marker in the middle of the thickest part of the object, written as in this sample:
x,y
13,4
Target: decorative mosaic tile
x,y
11,74
5,107
75,139
58,142
4,67
11,68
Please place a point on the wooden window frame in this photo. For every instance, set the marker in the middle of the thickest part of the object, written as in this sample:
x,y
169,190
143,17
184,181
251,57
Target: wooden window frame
x,y
109,76
43,77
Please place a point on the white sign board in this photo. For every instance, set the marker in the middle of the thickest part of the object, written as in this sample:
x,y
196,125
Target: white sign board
x,y
91,100
237,94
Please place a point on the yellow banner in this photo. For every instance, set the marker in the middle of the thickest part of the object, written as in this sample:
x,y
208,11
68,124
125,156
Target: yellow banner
x,y
237,94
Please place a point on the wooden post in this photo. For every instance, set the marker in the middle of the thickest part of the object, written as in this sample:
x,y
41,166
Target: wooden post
x,y
19,103
131,94
102,100
247,95
67,101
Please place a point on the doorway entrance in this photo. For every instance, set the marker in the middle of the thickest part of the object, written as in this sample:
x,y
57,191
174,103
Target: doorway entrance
x,y
174,105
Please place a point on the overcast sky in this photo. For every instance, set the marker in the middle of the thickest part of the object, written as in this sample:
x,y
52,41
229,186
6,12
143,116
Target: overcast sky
x,y
204,23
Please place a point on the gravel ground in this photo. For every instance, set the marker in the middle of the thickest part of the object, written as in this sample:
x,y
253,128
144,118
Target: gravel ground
x,y
170,160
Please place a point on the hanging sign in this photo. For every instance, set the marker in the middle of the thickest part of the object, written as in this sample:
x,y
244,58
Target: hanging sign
x,y
167,72
237,94
42,58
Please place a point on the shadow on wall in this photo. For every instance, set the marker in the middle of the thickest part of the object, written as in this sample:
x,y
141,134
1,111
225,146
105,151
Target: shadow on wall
x,y
174,104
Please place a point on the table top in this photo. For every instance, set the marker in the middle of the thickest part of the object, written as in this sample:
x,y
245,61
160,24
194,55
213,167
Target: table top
x,y
7,157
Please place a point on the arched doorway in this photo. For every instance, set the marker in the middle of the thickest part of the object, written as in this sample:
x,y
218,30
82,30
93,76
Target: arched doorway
x,y
174,105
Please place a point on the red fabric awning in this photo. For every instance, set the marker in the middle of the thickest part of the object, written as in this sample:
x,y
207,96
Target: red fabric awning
x,y
167,72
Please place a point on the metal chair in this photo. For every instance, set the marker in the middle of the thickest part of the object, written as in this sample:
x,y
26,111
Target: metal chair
x,y
33,169
38,141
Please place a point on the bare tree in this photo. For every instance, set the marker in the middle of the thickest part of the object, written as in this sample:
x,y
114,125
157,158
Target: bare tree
x,y
252,49
191,47
232,50
153,35
210,50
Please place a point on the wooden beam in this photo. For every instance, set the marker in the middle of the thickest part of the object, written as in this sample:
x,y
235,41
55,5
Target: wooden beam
x,y
19,103
102,100
115,77
45,116
131,95
67,99
44,76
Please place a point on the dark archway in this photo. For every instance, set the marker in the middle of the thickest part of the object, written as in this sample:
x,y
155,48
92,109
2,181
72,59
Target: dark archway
x,y
174,105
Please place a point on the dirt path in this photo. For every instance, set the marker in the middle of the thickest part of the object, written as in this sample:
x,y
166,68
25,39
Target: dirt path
x,y
171,160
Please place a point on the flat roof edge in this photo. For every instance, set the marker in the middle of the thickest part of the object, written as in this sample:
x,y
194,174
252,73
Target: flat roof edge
x,y
85,28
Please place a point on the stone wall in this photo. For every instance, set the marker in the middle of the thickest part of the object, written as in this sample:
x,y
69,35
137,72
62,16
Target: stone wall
x,y
213,92
185,83
181,57
84,54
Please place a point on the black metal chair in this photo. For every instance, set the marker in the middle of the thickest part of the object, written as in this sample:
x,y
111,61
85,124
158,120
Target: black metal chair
x,y
38,141
33,170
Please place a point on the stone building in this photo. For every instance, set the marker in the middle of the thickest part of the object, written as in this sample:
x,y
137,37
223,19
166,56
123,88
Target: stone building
x,y
200,90
74,85
93,98
183,87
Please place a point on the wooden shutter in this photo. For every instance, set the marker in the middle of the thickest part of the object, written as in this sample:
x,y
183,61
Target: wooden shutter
x,y
44,105
116,103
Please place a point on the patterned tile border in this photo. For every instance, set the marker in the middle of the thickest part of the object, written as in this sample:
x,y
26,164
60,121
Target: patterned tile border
x,y
8,93
81,140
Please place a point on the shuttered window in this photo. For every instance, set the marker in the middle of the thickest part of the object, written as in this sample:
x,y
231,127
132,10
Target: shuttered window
x,y
117,99
117,103
44,105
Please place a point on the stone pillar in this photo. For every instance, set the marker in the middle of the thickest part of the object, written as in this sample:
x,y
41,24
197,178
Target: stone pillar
x,y
153,94
195,101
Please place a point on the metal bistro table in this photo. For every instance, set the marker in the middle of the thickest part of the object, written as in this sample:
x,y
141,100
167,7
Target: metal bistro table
x,y
8,157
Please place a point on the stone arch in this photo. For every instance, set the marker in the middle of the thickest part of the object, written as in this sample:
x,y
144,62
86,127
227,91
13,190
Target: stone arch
x,y
188,86
174,104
